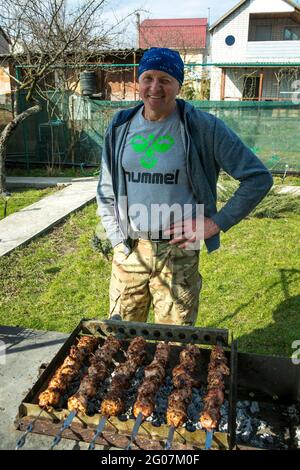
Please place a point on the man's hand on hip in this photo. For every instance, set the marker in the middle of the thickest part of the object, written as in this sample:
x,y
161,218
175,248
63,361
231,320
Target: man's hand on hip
x,y
191,230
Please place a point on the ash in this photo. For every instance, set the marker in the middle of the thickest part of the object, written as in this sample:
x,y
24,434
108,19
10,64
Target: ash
x,y
265,425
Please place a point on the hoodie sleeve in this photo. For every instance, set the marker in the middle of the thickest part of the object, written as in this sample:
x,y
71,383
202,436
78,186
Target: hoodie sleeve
x,y
105,194
233,156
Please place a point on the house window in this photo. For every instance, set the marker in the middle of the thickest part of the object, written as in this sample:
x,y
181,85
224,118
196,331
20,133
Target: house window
x,y
287,88
263,33
251,88
291,33
230,40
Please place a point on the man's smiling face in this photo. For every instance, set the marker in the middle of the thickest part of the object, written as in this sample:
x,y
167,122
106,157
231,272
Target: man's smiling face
x,y
158,90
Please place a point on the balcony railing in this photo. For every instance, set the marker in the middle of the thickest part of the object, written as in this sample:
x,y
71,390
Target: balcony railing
x,y
278,51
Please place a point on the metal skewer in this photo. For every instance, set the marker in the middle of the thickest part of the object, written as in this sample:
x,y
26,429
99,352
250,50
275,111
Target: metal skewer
x,y
98,432
136,427
66,424
169,442
21,441
209,439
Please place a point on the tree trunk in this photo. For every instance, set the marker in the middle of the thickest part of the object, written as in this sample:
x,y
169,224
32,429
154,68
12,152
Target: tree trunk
x,y
4,136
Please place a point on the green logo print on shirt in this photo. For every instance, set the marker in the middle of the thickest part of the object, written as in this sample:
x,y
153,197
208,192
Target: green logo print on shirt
x,y
161,145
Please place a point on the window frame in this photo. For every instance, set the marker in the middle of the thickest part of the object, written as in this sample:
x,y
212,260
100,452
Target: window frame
x,y
291,28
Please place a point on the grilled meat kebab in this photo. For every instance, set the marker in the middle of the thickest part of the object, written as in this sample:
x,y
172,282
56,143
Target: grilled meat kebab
x,y
67,372
98,370
214,398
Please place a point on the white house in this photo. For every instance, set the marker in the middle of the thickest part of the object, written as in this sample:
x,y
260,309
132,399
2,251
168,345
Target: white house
x,y
256,49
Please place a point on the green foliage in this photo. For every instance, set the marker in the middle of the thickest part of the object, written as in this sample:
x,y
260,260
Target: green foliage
x,y
204,94
226,188
273,206
102,246
276,205
187,91
288,180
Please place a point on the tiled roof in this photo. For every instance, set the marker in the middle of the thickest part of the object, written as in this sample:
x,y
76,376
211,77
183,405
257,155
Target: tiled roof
x,y
179,33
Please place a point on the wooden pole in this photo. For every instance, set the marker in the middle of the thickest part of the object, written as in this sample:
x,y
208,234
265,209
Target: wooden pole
x,y
134,74
223,79
261,80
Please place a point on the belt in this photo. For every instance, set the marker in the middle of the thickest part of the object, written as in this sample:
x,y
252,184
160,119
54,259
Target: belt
x,y
149,236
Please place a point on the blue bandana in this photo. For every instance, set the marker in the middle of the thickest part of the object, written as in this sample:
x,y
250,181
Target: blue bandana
x,y
166,60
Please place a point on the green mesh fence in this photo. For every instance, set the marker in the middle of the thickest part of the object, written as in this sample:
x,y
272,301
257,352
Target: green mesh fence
x,y
270,129
70,129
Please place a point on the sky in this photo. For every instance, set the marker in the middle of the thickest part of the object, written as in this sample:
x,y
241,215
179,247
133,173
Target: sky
x,y
174,8
119,9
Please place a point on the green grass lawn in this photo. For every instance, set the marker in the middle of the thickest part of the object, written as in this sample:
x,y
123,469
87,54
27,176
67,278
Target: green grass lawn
x,y
250,286
288,180
23,198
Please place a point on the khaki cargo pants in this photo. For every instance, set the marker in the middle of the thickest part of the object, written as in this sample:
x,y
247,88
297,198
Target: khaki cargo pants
x,y
157,271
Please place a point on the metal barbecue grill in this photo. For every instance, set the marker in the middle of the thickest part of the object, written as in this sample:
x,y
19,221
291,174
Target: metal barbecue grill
x,y
256,377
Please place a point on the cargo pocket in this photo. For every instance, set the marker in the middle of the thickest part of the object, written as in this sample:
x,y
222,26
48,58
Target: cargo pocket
x,y
114,303
184,269
116,287
185,287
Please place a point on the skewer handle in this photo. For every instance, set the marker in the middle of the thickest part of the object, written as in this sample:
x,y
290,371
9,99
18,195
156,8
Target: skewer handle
x,y
136,427
209,439
170,438
98,432
66,425
21,441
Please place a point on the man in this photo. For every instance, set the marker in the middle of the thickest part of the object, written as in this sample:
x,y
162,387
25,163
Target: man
x,y
162,154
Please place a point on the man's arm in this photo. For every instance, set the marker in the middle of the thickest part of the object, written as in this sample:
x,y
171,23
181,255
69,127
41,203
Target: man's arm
x,y
105,195
241,163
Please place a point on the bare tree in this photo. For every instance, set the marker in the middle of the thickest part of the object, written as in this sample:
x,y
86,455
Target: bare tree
x,y
45,34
